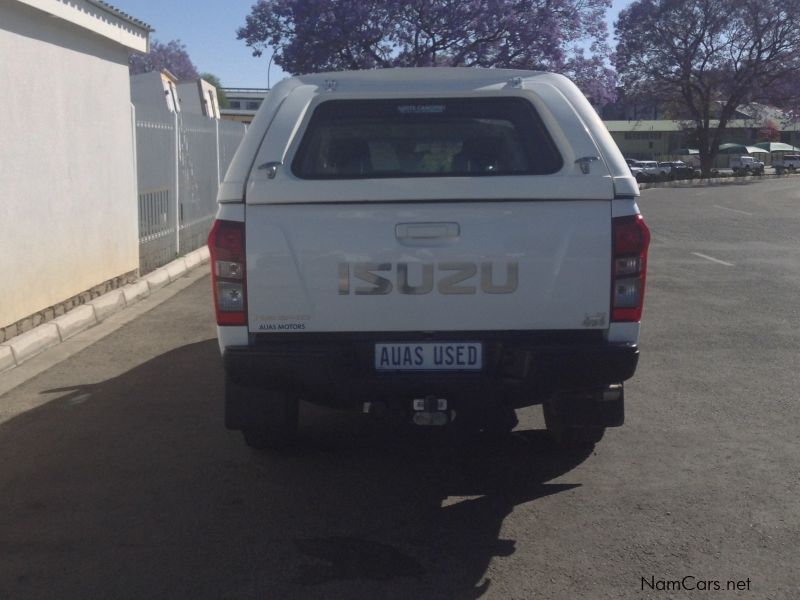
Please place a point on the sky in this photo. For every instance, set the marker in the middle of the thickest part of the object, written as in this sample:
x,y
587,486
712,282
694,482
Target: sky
x,y
208,30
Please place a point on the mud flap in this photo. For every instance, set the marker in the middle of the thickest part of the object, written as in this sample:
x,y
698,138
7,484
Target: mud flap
x,y
591,408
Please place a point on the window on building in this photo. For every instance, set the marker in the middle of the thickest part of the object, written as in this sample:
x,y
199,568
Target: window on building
x,y
643,135
235,104
253,104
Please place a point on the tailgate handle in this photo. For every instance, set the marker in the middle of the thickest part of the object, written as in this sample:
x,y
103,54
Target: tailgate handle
x,y
427,231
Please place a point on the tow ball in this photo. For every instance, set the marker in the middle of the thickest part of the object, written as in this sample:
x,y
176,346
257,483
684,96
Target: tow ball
x,y
427,412
431,412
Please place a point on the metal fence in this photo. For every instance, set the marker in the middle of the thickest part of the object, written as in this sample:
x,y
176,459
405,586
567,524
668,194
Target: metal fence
x,y
180,160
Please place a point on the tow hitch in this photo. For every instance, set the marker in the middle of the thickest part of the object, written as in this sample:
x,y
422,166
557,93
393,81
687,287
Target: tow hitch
x,y
431,412
426,412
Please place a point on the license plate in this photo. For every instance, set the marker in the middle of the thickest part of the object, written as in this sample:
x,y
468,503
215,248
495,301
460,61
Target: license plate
x,y
429,356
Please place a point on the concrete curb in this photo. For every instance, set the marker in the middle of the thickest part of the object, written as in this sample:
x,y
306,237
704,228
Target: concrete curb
x,y
682,183
23,347
75,321
157,279
135,292
29,344
175,269
107,304
6,358
193,260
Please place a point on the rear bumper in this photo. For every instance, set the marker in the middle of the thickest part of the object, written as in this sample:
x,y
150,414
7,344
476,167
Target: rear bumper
x,y
520,368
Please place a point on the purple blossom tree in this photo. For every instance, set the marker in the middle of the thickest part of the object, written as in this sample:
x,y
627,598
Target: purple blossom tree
x,y
322,35
785,93
709,56
171,56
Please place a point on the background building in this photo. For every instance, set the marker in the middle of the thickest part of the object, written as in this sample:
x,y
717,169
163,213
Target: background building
x,y
243,103
667,139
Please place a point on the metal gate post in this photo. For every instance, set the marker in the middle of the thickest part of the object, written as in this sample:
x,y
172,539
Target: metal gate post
x,y
216,129
177,184
136,179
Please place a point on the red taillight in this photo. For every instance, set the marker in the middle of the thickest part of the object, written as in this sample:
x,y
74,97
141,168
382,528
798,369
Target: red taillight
x,y
228,272
631,238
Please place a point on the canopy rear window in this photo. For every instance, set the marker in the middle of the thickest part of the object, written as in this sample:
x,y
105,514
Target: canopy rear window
x,y
367,139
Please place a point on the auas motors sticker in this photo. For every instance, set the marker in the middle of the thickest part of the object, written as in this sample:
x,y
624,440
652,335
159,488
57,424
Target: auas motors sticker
x,y
282,322
281,326
595,320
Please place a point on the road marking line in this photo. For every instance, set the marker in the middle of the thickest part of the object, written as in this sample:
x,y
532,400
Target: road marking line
x,y
712,259
741,212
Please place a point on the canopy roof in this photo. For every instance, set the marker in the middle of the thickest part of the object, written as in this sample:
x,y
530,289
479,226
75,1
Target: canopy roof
x,y
731,148
777,147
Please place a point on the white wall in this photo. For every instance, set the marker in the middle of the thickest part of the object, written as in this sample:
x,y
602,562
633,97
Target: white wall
x,y
189,94
68,211
199,97
149,91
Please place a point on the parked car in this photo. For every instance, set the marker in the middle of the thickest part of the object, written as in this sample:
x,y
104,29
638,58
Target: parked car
x,y
789,162
680,170
636,169
654,169
429,245
747,165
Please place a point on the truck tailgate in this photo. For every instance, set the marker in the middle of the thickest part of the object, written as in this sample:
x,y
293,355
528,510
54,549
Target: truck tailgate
x,y
446,266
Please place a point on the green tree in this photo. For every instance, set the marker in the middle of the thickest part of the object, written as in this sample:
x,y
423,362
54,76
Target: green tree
x,y
214,80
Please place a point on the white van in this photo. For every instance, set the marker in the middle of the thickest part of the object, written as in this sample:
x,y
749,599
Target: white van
x,y
787,162
438,245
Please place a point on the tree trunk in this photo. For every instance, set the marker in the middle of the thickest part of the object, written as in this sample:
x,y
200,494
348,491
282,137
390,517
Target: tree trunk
x,y
706,164
706,154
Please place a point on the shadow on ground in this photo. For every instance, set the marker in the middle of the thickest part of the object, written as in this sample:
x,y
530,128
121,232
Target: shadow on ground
x,y
131,488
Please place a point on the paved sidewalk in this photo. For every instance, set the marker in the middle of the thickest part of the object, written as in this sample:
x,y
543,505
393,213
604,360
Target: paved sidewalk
x,y
19,350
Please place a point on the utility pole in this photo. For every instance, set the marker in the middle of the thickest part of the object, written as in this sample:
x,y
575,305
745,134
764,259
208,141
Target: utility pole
x,y
269,68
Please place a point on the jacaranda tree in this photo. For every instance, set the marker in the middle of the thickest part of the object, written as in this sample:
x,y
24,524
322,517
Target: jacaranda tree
x,y
709,56
171,56
567,36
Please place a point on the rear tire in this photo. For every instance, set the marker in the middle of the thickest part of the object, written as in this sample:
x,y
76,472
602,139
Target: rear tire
x,y
499,423
567,435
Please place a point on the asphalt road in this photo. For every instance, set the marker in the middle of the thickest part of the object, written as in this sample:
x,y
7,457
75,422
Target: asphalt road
x,y
125,484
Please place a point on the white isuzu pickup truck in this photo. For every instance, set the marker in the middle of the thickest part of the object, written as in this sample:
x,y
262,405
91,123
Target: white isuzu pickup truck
x,y
440,245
